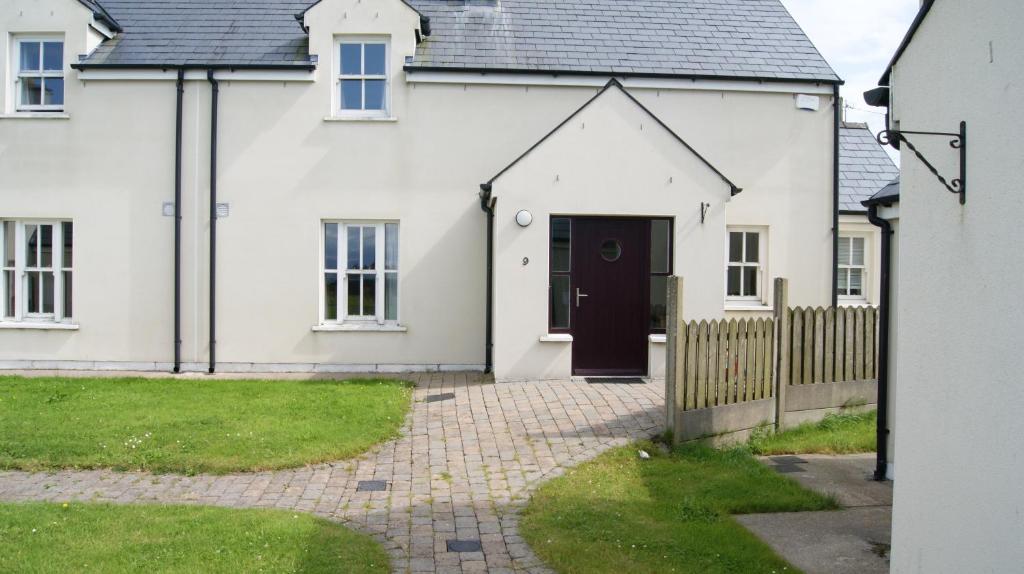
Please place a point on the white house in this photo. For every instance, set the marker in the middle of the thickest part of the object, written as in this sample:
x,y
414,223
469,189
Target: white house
x,y
379,185
952,90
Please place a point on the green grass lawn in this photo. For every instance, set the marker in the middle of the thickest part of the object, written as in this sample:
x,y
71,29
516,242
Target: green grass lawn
x,y
48,537
192,425
619,514
836,434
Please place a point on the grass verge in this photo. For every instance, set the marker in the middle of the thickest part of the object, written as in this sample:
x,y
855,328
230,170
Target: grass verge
x,y
48,537
191,426
618,513
836,434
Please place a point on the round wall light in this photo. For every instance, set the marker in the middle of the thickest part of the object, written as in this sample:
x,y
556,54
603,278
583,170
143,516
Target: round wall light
x,y
524,218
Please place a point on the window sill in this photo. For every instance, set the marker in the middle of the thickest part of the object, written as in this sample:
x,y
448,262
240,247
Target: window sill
x,y
36,116
359,328
738,306
38,325
556,338
658,338
367,119
854,303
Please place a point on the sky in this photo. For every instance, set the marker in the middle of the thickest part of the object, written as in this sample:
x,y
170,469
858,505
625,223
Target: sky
x,y
858,38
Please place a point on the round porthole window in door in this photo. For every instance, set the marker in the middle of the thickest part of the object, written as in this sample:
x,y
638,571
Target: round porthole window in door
x,y
611,250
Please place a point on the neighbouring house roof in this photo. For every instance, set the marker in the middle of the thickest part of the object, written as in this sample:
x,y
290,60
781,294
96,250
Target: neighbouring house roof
x,y
926,7
889,195
613,83
253,33
741,39
864,167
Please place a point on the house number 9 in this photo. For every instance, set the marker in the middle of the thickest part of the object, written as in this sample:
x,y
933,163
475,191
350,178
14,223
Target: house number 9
x,y
526,260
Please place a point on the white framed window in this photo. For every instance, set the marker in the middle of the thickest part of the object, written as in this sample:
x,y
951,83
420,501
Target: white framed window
x,y
363,86
360,272
37,270
746,249
853,272
39,73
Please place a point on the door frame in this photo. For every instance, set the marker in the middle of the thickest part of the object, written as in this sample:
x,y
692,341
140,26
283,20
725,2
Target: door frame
x,y
646,289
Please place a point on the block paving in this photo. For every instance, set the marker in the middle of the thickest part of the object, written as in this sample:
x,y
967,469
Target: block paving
x,y
462,470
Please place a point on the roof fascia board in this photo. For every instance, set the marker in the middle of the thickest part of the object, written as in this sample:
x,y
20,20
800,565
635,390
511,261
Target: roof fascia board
x,y
914,27
198,74
100,13
102,28
413,68
733,188
540,79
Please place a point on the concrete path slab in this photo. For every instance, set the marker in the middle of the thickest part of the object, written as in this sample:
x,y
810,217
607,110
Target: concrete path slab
x,y
462,470
854,540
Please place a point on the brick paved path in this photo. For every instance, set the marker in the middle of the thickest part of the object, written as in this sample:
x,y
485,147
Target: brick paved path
x,y
462,470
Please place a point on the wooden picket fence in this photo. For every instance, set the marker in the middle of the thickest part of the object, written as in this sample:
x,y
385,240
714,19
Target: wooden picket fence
x,y
727,362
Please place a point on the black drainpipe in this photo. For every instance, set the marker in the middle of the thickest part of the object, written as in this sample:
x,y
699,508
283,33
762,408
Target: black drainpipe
x,y
213,219
485,204
177,222
838,118
882,430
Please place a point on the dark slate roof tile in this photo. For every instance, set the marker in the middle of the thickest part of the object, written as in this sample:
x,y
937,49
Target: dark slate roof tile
x,y
864,167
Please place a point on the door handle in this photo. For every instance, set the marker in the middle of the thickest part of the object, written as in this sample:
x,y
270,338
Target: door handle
x,y
578,295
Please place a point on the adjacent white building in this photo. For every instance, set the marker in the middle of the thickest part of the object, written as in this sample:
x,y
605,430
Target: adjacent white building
x,y
958,503
314,186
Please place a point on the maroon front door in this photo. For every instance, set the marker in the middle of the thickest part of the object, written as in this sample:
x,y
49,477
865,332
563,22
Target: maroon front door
x,y
609,294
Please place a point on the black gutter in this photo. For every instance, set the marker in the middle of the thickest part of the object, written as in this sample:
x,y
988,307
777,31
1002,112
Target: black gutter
x,y
618,74
837,118
215,87
485,205
226,67
177,221
882,430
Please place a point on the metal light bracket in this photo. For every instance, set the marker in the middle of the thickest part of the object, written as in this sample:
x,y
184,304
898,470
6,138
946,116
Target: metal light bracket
x,y
959,142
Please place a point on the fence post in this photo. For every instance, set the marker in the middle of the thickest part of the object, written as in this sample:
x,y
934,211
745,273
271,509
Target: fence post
x,y
783,339
673,372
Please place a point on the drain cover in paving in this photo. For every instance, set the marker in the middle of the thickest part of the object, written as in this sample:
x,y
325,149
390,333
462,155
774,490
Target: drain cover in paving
x,y
615,380
440,397
371,485
464,546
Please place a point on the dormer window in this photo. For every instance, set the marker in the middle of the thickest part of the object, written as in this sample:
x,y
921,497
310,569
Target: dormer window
x,y
362,89
39,83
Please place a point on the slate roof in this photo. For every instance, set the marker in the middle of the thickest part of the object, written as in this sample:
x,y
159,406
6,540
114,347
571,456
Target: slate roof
x,y
693,38
889,195
715,38
249,33
864,166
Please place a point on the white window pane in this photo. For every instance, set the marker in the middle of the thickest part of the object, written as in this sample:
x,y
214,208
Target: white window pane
x,y
8,258
32,281
856,282
47,292
29,56
330,246
352,240
66,285
330,296
31,239
53,56
857,251
391,246
53,91
8,293
750,281
733,283
660,246
31,91
351,94
843,284
353,293
46,246
351,59
844,250
369,248
735,247
374,95
67,233
753,253
391,296
560,301
375,64
369,295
